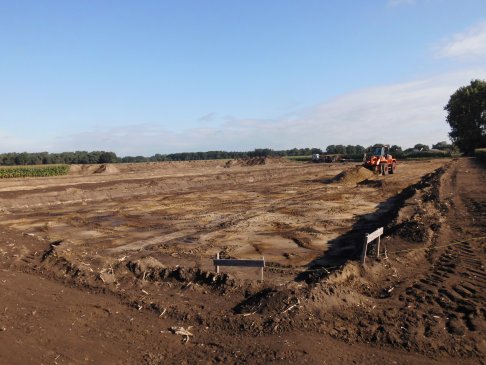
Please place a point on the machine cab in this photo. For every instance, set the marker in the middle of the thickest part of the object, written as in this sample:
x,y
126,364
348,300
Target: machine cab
x,y
379,151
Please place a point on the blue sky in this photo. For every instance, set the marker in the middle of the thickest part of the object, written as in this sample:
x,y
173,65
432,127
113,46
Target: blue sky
x,y
145,77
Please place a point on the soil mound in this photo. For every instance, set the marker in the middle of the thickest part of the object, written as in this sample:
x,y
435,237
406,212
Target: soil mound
x,y
149,268
413,230
106,169
254,161
145,265
92,169
74,169
268,302
82,169
352,176
349,272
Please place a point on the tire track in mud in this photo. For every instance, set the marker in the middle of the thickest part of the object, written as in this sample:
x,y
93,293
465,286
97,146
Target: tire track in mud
x,y
233,220
454,288
311,194
428,299
348,246
237,218
280,312
449,297
78,192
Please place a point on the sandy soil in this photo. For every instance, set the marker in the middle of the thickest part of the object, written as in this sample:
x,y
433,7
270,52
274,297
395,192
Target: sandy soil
x,y
99,265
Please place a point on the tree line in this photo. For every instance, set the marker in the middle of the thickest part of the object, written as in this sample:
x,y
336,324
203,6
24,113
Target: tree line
x,y
46,158
100,157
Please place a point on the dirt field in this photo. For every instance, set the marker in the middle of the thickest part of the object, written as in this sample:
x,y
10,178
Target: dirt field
x,y
100,266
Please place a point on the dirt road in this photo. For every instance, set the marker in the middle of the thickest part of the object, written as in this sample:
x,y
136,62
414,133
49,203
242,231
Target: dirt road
x,y
99,269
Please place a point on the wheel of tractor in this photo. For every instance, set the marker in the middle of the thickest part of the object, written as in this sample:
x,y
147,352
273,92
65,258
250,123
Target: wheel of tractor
x,y
393,167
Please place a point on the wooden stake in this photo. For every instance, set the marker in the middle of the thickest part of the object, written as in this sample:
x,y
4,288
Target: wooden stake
x,y
365,247
217,267
261,269
378,247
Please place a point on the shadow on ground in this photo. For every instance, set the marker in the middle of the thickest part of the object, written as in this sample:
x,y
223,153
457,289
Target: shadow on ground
x,y
349,245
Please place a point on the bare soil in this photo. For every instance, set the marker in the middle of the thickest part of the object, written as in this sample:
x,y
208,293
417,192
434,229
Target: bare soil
x,y
113,264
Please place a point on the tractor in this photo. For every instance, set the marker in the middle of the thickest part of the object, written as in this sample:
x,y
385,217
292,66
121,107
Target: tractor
x,y
379,160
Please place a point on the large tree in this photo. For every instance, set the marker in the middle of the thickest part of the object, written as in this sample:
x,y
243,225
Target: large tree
x,y
467,116
442,145
421,147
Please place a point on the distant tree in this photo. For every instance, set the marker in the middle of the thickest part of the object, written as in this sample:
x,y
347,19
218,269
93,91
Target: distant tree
x,y
350,150
8,159
127,159
375,145
292,152
359,149
443,145
467,116
262,152
22,158
107,157
331,149
44,158
157,157
55,158
421,147
140,159
94,157
316,150
395,149
340,149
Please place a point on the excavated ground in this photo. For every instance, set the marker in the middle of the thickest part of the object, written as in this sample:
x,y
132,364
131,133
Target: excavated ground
x,y
100,265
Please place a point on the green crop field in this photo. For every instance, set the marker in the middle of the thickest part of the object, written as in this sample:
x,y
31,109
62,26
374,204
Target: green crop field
x,y
32,171
300,158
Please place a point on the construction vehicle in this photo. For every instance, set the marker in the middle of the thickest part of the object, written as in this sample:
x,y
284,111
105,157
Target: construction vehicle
x,y
379,160
328,158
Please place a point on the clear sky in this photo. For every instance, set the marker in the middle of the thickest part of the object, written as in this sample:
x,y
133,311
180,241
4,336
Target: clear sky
x,y
146,77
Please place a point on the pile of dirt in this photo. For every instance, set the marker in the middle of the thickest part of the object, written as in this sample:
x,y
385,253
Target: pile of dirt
x,y
61,264
146,266
83,169
93,169
106,169
352,176
254,161
151,269
350,271
413,230
75,169
419,210
269,302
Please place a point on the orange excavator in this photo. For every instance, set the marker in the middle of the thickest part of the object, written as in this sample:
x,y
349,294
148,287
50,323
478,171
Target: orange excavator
x,y
379,160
